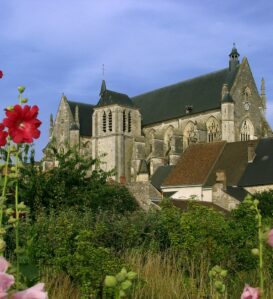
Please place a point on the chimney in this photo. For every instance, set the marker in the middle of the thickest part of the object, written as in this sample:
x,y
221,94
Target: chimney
x,y
122,180
221,179
250,152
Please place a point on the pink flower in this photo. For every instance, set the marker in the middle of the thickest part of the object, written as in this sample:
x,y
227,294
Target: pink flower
x,y
250,293
270,238
6,280
35,292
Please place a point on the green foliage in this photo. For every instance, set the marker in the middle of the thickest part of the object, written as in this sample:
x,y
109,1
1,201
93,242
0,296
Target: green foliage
x,y
204,233
72,184
265,203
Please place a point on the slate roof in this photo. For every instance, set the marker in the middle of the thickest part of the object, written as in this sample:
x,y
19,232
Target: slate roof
x,y
202,93
237,192
160,175
260,171
233,160
85,116
109,97
195,164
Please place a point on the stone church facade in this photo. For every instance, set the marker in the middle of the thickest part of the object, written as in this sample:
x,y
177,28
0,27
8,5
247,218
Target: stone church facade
x,y
134,136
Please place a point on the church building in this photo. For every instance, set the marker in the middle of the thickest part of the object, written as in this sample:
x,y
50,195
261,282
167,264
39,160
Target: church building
x,y
137,135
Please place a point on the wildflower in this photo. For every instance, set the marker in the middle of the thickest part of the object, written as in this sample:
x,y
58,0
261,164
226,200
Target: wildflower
x,y
270,238
250,293
3,135
6,280
22,123
35,292
1,74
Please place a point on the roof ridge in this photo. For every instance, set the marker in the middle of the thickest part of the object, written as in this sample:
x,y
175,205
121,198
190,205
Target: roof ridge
x,y
181,82
81,103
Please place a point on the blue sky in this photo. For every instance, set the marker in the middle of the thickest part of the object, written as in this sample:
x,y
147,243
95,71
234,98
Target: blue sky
x,y
56,46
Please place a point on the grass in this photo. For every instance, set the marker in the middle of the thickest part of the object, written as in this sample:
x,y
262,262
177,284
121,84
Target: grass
x,y
162,276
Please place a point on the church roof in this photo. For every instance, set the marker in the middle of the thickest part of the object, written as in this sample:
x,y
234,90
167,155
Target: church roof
x,y
85,116
109,97
260,171
201,93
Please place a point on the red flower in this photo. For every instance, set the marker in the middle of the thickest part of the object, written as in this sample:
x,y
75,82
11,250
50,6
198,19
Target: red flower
x,y
3,135
1,74
22,123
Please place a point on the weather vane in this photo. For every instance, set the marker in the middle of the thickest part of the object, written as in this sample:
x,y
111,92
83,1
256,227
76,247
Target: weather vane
x,y
103,70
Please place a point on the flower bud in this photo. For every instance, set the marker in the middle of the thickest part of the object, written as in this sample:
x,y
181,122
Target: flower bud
x,y
2,245
24,100
21,206
223,273
9,211
2,232
21,89
11,220
110,281
131,275
122,294
126,285
218,285
255,251
10,108
120,277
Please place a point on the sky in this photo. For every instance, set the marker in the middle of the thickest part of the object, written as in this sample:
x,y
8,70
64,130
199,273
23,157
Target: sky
x,y
59,46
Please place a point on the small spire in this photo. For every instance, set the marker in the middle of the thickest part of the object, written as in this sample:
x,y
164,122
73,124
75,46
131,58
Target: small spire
x,y
51,126
263,96
103,88
233,58
77,120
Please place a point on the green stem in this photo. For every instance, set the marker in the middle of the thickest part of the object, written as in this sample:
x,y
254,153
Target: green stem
x,y
4,190
260,236
17,217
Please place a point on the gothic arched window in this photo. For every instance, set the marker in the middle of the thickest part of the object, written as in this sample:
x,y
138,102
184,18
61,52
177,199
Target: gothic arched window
x,y
110,121
124,120
213,130
129,122
247,130
189,134
168,136
104,122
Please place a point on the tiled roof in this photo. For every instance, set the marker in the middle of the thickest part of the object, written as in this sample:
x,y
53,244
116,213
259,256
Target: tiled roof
x,y
233,162
85,116
202,93
195,163
260,171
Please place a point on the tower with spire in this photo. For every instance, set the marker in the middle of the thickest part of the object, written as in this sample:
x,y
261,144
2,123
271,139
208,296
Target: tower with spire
x,y
116,121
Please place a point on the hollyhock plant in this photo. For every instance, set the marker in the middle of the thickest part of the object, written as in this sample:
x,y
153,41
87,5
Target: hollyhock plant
x,y
250,293
6,280
35,292
270,238
1,74
3,135
22,123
